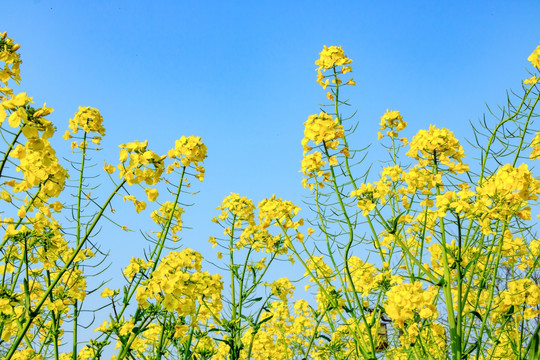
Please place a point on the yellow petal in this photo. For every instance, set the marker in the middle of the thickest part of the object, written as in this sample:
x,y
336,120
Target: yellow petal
x,y
14,120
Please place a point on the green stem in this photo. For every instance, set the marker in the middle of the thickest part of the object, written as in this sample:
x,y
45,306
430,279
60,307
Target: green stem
x,y
10,147
78,239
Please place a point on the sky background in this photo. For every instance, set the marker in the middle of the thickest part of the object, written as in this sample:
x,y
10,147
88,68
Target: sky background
x,y
242,76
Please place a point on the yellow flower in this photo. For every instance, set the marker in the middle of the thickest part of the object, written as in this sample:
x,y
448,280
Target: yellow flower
x,y
139,206
407,299
16,117
332,56
109,168
56,206
534,58
152,194
322,128
535,144
22,212
392,120
87,119
438,145
531,81
5,196
11,59
282,288
346,69
189,150
108,292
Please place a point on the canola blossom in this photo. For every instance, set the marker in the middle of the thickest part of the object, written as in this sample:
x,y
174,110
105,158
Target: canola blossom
x,y
424,257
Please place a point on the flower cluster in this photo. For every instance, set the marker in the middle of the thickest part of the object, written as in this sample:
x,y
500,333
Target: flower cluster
x,y
283,289
332,58
178,285
38,162
363,274
239,206
523,295
278,212
406,300
506,193
393,121
89,120
370,194
438,146
17,105
190,151
39,167
10,58
238,212
320,129
312,165
460,202
168,212
144,165
535,144
135,266
534,58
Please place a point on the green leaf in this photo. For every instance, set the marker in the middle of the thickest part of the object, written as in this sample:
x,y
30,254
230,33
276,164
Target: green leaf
x,y
534,351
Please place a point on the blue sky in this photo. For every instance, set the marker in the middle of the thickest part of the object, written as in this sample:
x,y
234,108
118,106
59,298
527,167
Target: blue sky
x,y
241,75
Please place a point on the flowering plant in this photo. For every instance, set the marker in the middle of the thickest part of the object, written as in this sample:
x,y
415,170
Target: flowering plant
x,y
451,270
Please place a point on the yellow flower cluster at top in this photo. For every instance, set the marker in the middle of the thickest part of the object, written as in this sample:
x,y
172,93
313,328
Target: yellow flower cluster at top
x,y
320,129
11,59
534,58
332,58
393,121
89,120
438,146
190,151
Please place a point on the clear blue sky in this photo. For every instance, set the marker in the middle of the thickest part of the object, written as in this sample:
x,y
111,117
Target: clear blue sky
x,y
241,75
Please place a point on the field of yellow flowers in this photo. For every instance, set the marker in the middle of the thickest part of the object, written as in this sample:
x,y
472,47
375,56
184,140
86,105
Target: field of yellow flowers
x,y
449,250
